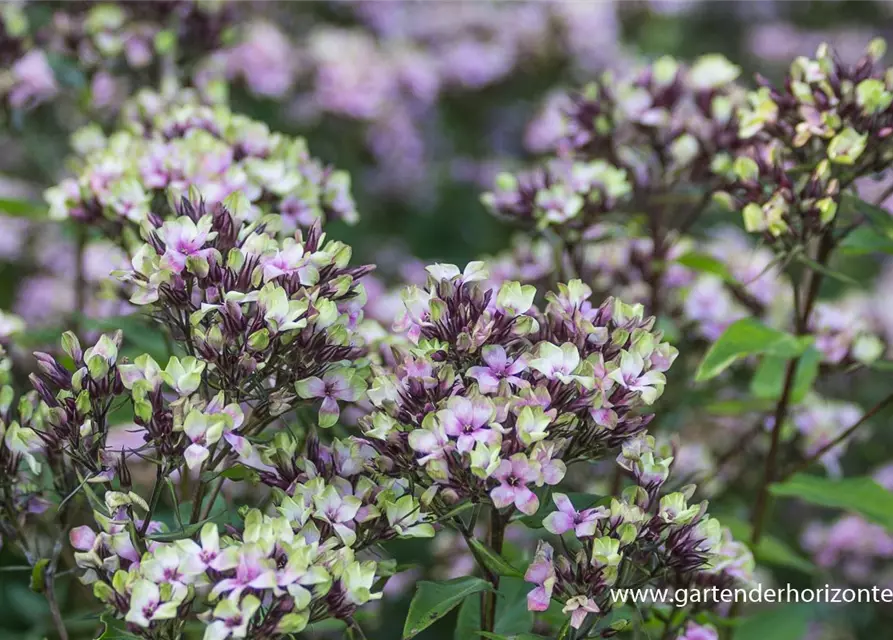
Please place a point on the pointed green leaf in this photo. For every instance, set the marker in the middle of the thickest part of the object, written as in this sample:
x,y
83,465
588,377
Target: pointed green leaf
x,y
862,495
512,616
768,380
790,622
433,600
748,337
705,263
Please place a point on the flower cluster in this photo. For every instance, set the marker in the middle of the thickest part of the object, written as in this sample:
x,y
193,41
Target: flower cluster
x,y
27,78
79,403
615,260
628,138
268,577
170,144
856,549
271,319
845,332
137,35
21,457
819,421
496,397
668,540
827,125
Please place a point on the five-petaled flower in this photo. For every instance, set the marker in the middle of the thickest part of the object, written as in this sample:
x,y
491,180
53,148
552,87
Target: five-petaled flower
x,y
513,476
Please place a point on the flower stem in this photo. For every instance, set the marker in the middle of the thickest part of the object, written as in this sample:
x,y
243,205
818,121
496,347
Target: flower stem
x,y
495,536
801,326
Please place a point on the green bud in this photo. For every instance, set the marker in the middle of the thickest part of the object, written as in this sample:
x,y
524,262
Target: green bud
x,y
847,146
259,340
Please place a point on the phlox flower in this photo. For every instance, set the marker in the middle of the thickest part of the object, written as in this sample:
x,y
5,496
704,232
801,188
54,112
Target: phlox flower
x,y
199,558
184,239
280,313
559,363
337,384
550,469
513,476
541,572
405,517
254,570
579,607
567,517
358,579
632,376
183,375
498,367
148,602
203,430
339,511
467,420
291,258
164,565
231,618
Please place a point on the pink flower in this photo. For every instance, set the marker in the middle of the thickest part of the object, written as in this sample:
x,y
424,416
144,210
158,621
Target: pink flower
x,y
541,573
513,476
82,538
253,571
288,260
337,384
466,419
34,80
499,367
208,554
550,470
183,239
435,444
567,517
579,607
697,632
265,59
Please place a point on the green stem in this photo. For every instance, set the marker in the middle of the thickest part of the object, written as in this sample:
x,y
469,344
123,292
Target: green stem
x,y
153,501
801,326
762,503
495,536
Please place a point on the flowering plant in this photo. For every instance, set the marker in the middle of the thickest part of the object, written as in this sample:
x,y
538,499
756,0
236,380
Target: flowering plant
x,y
245,431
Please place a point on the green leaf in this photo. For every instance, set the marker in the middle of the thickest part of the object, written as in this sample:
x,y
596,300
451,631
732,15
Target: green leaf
x,y
879,218
23,209
736,407
494,562
789,622
512,616
237,472
185,509
38,575
748,337
862,495
768,380
67,71
459,509
579,500
705,263
433,600
831,273
866,240
497,636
